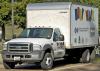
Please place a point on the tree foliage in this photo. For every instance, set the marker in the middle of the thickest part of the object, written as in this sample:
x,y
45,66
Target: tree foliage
x,y
5,12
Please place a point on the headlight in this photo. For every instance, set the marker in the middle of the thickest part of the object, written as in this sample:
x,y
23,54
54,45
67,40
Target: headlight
x,y
36,47
4,46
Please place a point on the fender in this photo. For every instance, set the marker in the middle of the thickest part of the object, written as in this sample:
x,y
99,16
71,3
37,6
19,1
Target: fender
x,y
48,46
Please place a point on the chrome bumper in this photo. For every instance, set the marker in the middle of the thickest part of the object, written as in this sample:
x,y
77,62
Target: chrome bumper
x,y
35,56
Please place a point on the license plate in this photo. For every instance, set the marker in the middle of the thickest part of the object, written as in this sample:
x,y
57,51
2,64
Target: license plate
x,y
16,58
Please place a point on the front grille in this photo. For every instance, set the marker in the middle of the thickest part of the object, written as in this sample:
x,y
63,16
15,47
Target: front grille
x,y
18,44
18,47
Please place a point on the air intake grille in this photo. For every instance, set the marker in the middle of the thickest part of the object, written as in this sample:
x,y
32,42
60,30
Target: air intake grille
x,y
18,47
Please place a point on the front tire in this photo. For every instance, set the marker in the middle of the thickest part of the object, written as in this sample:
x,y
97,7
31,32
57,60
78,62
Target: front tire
x,y
47,61
8,65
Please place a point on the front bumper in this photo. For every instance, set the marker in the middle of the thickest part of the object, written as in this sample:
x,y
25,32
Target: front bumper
x,y
33,57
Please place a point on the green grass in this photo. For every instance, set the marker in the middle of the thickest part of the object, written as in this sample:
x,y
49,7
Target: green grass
x,y
1,59
97,60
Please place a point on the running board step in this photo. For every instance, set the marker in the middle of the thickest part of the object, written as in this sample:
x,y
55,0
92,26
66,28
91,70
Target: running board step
x,y
59,59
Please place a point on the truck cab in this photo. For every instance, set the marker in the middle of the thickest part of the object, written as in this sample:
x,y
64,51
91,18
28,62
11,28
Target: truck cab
x,y
34,45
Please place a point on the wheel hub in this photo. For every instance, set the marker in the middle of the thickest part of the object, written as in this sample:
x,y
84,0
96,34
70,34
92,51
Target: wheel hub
x,y
48,61
88,56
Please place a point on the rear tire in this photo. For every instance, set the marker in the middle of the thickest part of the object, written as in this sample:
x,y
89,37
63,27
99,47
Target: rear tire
x,y
47,61
92,57
85,58
8,65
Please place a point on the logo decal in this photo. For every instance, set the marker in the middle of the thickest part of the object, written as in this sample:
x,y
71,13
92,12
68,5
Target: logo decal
x,y
80,13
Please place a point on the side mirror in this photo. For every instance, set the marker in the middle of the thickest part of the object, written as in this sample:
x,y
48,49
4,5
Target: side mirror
x,y
61,37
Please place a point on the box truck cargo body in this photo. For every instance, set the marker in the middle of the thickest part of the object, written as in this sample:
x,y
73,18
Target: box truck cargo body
x,y
78,23
54,31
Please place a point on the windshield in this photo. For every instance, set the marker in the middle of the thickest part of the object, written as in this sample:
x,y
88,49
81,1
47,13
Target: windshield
x,y
36,33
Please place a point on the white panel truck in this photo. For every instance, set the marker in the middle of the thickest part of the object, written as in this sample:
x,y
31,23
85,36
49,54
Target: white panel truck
x,y
54,31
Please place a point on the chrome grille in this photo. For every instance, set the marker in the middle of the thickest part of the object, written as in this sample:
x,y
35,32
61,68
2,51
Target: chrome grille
x,y
18,47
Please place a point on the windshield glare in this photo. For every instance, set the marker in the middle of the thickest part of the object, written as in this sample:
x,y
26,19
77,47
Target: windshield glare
x,y
36,33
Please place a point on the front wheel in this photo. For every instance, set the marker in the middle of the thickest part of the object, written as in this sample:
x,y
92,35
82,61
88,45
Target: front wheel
x,y
47,61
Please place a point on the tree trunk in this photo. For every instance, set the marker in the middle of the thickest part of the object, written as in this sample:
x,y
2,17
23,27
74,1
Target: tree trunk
x,y
3,31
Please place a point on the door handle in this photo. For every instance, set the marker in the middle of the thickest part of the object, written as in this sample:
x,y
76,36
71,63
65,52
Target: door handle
x,y
57,44
63,43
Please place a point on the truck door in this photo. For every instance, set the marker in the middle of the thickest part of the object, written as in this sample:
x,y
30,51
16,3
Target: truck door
x,y
58,46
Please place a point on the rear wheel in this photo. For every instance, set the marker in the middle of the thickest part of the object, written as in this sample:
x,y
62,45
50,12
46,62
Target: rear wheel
x,y
8,65
47,61
92,57
85,58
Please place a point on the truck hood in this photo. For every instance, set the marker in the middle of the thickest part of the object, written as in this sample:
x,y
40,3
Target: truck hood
x,y
39,41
